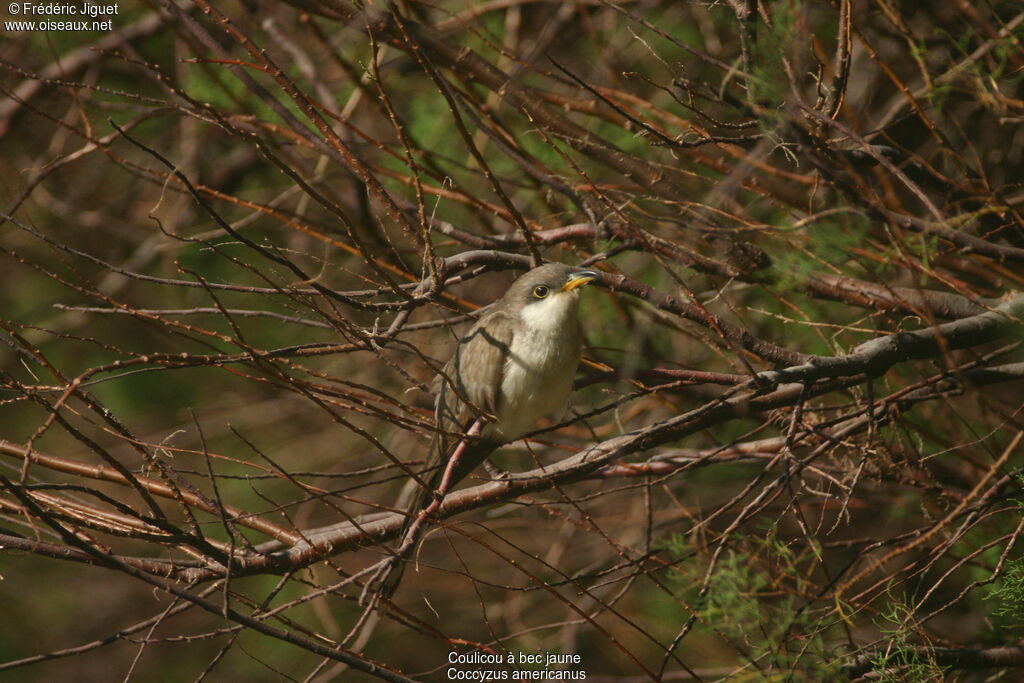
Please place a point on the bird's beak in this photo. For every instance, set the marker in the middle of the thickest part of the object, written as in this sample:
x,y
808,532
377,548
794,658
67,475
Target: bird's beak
x,y
578,279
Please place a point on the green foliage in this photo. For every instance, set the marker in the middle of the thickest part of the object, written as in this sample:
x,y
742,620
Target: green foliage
x,y
900,661
1007,597
768,85
752,603
826,241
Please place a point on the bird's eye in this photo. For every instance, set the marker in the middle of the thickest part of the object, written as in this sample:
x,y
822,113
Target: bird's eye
x,y
541,291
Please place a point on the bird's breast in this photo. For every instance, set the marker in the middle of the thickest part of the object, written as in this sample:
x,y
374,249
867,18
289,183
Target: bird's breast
x,y
538,373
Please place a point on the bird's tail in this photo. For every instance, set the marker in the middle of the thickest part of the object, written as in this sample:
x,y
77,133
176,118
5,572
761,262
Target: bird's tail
x,y
416,501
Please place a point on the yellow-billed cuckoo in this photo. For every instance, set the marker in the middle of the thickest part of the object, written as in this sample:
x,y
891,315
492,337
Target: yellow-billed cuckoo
x,y
514,366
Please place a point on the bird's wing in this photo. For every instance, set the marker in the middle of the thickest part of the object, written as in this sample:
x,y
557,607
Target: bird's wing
x,y
474,374
476,370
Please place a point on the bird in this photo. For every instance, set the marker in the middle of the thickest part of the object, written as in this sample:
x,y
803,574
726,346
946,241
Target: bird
x,y
513,367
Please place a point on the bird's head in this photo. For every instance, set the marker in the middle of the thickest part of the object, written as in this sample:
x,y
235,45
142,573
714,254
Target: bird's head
x,y
551,290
